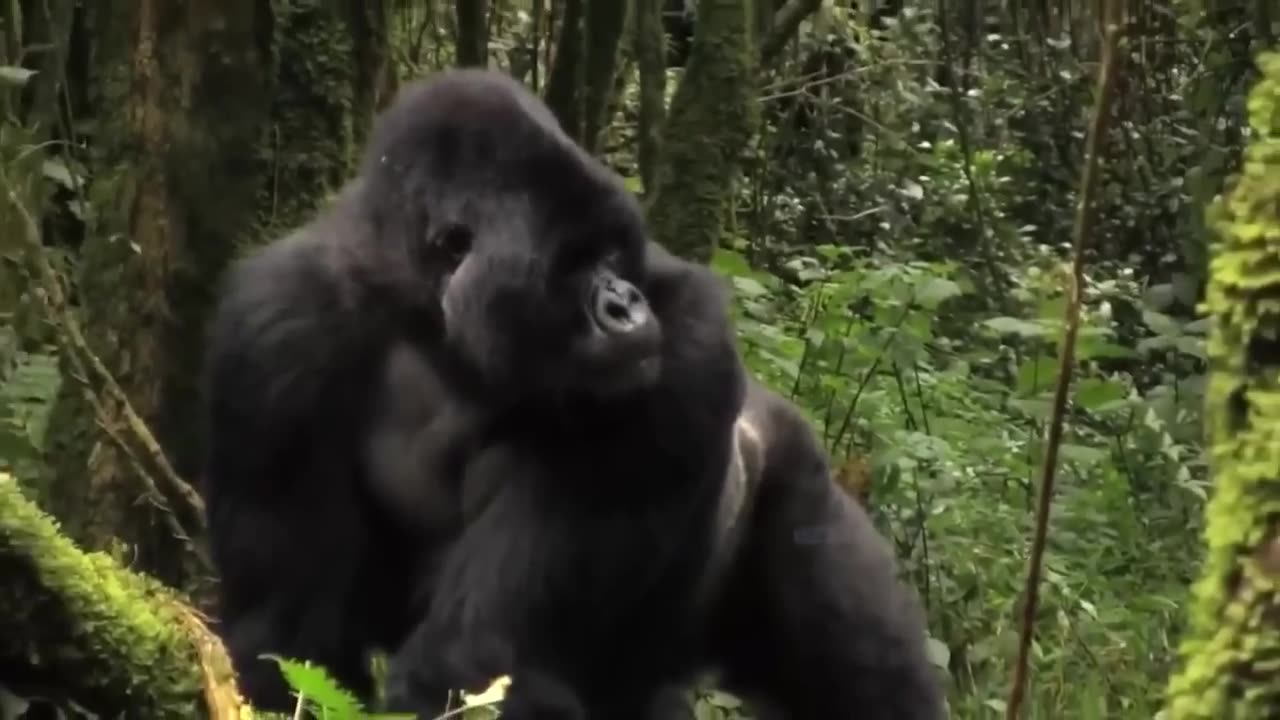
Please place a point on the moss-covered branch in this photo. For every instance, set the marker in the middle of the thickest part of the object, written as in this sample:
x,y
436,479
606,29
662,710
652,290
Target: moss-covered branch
x,y
1233,644
113,641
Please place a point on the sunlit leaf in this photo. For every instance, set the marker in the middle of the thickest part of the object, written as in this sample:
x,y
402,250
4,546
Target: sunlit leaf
x,y
15,76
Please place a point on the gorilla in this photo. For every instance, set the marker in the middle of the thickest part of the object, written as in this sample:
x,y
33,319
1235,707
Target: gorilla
x,y
471,415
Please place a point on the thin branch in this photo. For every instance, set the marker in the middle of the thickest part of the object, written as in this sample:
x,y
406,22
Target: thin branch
x,y
784,26
76,350
1086,215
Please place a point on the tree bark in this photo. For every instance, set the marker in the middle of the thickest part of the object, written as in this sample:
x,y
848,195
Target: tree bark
x,y
712,118
1232,642
603,29
783,26
650,47
473,33
182,173
564,82
111,640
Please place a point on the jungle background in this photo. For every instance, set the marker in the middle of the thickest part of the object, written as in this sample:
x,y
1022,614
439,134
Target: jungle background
x,y
889,186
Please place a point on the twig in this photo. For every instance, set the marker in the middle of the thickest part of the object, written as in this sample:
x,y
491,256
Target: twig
x,y
785,23
1084,220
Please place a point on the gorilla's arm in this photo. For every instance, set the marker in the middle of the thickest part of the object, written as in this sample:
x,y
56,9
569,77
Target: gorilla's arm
x,y
816,616
284,379
487,589
517,577
420,436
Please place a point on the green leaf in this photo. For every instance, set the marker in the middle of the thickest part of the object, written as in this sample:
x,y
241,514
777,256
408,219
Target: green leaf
x,y
1082,454
1198,327
1014,326
937,651
749,286
317,687
1037,375
15,76
1159,342
1159,296
730,262
491,695
1093,393
1192,345
56,170
1095,348
1033,407
935,290
722,700
1160,323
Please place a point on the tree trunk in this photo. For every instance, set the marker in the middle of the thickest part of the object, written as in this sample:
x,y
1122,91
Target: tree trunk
x,y
182,172
712,118
565,80
603,29
650,47
1232,642
473,33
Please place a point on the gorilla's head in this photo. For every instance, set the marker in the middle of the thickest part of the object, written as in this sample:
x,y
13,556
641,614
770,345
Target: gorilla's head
x,y
521,250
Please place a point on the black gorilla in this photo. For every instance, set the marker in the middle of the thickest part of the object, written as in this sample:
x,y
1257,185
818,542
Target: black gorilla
x,y
470,414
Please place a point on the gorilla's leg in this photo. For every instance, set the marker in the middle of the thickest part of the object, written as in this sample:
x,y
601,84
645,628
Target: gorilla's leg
x,y
298,583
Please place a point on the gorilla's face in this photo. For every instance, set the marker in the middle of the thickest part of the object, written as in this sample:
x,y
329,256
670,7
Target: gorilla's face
x,y
523,252
538,305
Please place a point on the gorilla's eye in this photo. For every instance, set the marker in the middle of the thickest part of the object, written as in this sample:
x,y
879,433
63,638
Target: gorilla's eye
x,y
578,257
454,240
583,256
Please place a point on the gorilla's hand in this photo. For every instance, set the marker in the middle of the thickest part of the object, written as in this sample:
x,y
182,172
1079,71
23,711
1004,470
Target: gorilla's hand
x,y
430,666
420,685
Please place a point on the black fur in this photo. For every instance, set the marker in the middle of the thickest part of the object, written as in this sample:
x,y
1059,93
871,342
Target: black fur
x,y
420,443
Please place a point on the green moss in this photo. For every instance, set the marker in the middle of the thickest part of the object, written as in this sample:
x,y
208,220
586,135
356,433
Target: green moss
x,y
1232,650
315,122
712,118
107,637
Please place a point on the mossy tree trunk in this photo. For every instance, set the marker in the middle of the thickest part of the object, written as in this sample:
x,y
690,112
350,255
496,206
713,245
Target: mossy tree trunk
x,y
1233,643
603,28
650,43
221,122
564,80
582,78
712,118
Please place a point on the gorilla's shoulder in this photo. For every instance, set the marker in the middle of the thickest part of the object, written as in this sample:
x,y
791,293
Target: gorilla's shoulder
x,y
292,296
789,438
305,265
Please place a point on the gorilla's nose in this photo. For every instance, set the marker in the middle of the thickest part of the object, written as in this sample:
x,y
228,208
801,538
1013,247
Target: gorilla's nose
x,y
618,306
